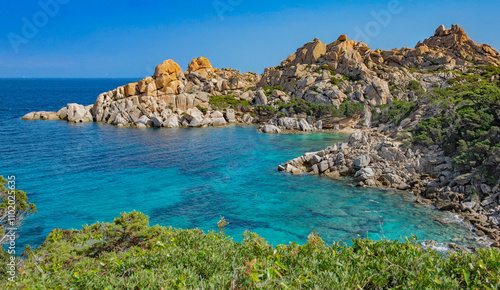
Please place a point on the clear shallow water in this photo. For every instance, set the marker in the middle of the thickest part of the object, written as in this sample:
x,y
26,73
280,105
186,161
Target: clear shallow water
x,y
82,173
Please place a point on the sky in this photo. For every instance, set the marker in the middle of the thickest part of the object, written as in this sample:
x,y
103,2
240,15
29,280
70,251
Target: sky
x,y
114,39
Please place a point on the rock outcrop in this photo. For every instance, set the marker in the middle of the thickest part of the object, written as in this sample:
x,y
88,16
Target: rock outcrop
x,y
347,69
165,99
372,159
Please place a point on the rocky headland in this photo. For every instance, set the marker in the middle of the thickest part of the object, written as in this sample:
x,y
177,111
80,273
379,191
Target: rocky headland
x,y
427,117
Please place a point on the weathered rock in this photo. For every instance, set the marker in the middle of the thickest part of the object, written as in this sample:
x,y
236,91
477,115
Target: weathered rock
x,y
361,161
364,174
230,116
167,68
220,121
63,113
270,129
30,116
247,119
463,179
144,120
304,126
78,113
171,122
261,98
157,121
468,206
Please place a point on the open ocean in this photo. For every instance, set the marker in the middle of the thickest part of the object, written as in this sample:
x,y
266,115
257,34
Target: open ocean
x,y
79,174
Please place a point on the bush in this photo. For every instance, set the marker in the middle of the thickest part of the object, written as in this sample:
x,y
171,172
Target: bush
x,y
350,109
202,109
416,87
265,110
224,102
269,90
395,114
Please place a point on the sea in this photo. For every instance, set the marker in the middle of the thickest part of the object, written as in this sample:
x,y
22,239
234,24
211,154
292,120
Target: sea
x,y
79,174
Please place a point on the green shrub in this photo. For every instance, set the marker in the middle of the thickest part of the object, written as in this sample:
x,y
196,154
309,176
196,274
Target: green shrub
x,y
321,68
269,90
265,110
202,109
416,87
395,114
336,81
224,102
350,109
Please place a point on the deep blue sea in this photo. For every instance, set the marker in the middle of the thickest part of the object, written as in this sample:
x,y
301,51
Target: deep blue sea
x,y
188,177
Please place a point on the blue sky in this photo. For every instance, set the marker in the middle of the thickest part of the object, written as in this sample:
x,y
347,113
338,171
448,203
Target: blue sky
x,y
127,38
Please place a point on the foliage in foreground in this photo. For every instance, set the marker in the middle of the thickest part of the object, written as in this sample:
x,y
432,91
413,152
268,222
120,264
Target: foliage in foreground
x,y
14,207
128,254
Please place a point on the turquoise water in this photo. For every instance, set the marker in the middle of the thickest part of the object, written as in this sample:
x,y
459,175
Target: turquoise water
x,y
188,177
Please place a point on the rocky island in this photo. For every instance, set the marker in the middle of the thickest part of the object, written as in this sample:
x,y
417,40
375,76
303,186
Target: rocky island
x,y
427,118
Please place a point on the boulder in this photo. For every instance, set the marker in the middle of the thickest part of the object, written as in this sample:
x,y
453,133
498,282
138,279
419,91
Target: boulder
x,y
230,116
219,121
145,121
463,179
63,113
193,113
49,116
171,122
364,174
30,116
261,98
199,63
247,119
78,113
361,161
157,121
270,129
304,126
216,114
168,67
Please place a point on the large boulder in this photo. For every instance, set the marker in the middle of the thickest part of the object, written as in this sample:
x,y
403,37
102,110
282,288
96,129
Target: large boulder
x,y
304,126
171,122
364,174
168,67
78,113
361,162
270,129
230,116
261,98
31,116
199,63
192,114
63,113
247,119
49,116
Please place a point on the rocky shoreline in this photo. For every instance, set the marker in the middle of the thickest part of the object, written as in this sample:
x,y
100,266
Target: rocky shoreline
x,y
374,159
344,85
